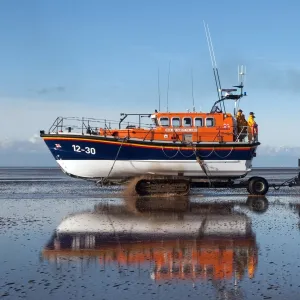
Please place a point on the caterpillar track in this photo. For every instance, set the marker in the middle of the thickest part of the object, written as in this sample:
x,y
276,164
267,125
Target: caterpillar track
x,y
159,186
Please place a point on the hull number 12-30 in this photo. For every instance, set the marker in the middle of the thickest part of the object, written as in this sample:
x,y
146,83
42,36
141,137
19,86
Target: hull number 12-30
x,y
87,150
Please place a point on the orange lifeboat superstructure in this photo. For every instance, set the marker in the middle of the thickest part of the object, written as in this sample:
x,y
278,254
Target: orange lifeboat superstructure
x,y
181,127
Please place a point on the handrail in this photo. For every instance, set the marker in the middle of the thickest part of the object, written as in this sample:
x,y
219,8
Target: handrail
x,y
94,126
244,132
84,123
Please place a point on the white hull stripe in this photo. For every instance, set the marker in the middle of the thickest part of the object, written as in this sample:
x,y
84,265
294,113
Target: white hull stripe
x,y
188,168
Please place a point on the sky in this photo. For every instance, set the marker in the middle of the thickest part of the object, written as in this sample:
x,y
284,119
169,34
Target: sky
x,y
100,58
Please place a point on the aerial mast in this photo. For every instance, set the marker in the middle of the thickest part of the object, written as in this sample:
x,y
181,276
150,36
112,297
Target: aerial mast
x,y
193,90
214,63
158,87
168,87
241,80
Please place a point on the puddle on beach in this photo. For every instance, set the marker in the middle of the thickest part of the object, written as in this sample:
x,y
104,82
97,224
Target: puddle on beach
x,y
199,247
210,246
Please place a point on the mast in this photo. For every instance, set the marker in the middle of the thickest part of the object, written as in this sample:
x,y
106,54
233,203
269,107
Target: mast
x,y
193,90
158,87
168,87
214,64
241,79
228,92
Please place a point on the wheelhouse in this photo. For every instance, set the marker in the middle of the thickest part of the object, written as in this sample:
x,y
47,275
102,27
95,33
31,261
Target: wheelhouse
x,y
167,126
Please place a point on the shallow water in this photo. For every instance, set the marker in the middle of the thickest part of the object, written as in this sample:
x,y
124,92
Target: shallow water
x,y
67,239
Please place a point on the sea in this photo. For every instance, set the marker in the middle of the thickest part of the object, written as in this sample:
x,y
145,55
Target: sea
x,y
66,238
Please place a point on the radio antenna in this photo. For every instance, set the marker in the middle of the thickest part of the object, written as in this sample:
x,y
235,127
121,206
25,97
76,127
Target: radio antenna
x,y
214,63
193,90
168,88
158,87
241,80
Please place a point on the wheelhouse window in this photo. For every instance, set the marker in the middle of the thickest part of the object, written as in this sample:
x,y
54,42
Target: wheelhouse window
x,y
187,122
198,122
164,121
210,122
176,122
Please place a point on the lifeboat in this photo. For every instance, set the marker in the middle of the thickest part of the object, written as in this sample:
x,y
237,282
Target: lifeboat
x,y
177,145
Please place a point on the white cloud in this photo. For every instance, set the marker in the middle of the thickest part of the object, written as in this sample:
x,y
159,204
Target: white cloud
x,y
34,139
5,143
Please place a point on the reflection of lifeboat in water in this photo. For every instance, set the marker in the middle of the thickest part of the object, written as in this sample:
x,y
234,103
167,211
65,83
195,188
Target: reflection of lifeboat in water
x,y
216,243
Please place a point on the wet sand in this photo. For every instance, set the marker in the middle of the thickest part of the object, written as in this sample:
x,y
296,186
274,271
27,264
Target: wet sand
x,y
64,238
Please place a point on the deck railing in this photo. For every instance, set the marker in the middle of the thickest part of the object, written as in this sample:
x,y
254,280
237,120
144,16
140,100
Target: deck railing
x,y
92,126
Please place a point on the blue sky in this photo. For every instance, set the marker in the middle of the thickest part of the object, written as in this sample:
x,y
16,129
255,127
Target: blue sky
x,y
99,58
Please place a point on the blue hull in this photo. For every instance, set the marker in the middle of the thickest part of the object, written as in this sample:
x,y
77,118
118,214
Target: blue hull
x,y
96,148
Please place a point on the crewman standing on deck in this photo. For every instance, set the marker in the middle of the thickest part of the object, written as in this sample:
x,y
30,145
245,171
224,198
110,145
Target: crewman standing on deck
x,y
241,123
252,127
238,115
